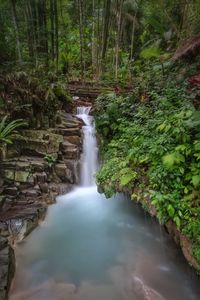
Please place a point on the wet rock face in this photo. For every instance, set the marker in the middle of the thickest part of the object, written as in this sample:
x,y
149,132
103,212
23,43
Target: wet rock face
x,y
7,267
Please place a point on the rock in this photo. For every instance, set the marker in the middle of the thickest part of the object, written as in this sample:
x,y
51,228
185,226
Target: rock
x,y
38,166
21,176
31,193
3,243
13,191
187,249
9,174
75,140
73,166
4,229
40,177
69,150
71,131
184,242
12,153
63,172
25,186
30,179
39,142
1,182
53,187
44,187
8,164
23,166
7,263
2,200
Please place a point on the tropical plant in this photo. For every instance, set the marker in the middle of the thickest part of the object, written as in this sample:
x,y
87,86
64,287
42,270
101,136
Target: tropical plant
x,y
8,129
50,159
151,148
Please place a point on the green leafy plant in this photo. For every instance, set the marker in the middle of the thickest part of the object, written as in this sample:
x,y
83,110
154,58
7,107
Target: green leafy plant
x,y
8,129
50,159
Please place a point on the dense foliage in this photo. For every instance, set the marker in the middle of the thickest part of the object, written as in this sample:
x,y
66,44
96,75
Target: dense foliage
x,y
95,38
151,146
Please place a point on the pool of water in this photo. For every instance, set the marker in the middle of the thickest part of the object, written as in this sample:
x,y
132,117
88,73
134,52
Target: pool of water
x,y
94,248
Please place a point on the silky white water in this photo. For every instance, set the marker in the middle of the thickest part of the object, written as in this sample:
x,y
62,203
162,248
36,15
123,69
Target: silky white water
x,y
89,156
93,248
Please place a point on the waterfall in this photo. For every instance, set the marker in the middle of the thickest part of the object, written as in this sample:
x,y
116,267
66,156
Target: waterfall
x,y
89,161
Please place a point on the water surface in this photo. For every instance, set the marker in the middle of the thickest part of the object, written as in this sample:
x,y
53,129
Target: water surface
x,y
90,247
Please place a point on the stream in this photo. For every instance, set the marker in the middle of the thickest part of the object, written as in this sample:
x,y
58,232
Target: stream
x,y
94,248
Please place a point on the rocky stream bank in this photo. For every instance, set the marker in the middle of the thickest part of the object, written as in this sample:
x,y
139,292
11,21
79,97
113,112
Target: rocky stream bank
x,y
40,165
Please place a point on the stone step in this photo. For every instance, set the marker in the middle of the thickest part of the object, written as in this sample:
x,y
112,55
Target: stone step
x,y
70,131
39,142
69,150
73,139
24,163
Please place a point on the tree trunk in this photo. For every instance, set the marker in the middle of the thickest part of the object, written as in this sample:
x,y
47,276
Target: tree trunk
x,y
52,30
119,17
29,32
14,17
98,39
80,5
132,38
106,21
93,38
35,27
56,32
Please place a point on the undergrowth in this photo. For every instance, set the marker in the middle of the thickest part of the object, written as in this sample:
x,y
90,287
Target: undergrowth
x,y
150,144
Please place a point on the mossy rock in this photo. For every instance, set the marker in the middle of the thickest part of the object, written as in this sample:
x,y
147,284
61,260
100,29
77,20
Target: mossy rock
x,y
9,174
21,176
39,142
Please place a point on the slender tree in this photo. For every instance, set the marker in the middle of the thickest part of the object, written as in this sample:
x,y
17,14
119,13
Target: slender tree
x,y
16,29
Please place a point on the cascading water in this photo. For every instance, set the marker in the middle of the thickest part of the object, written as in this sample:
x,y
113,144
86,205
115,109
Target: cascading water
x,y
90,150
93,249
